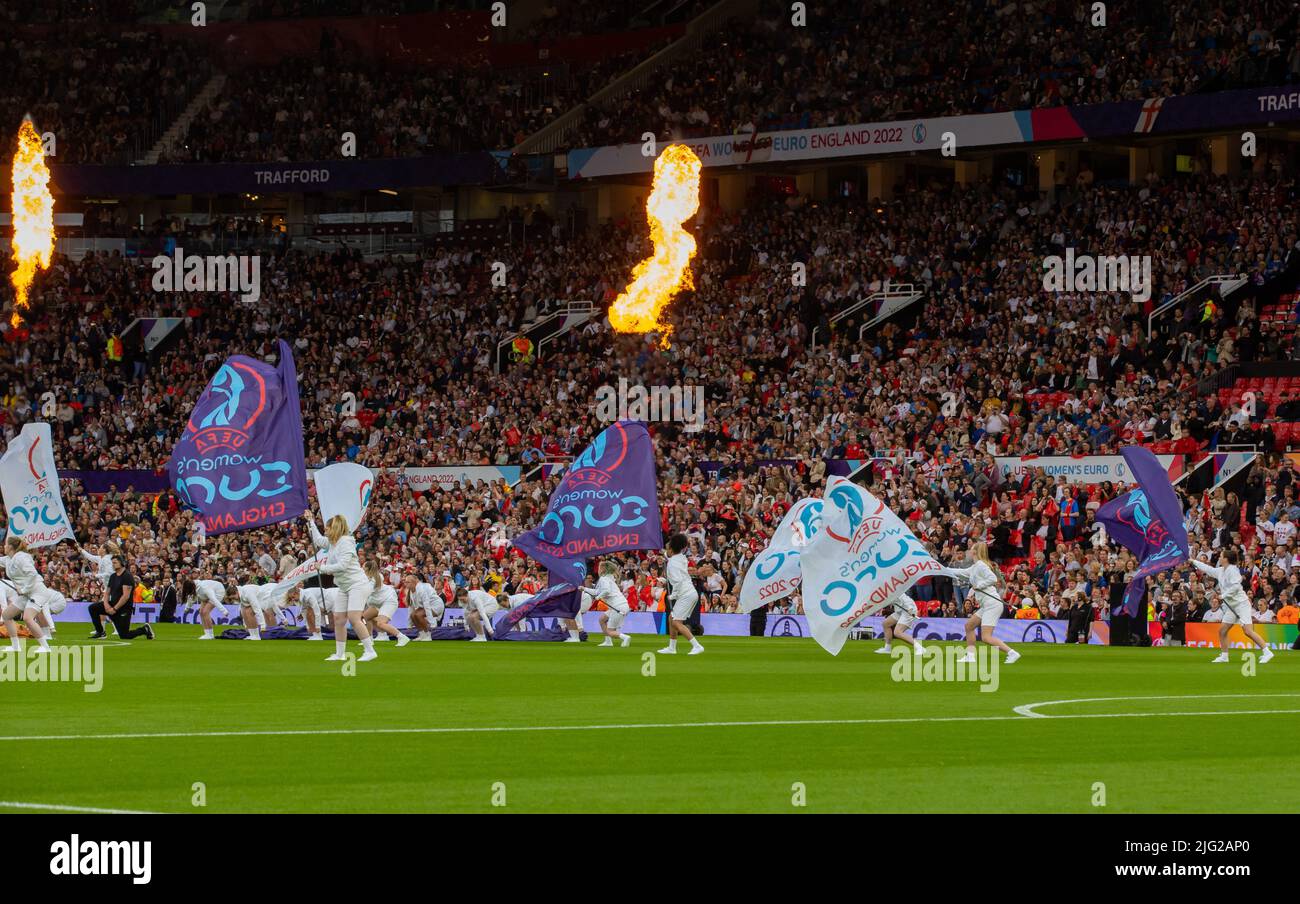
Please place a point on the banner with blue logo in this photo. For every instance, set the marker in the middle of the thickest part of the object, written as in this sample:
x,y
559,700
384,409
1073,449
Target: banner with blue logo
x,y
862,558
239,463
775,573
1148,522
606,502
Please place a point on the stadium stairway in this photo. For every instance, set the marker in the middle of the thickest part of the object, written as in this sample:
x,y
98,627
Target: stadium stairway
x,y
178,128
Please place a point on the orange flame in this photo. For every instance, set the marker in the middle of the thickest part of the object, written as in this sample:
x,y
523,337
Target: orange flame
x,y
33,214
673,200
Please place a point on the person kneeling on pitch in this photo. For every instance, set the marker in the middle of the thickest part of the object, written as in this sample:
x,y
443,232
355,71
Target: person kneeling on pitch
x,y
983,581
424,605
382,606
899,622
1235,603
617,609
683,596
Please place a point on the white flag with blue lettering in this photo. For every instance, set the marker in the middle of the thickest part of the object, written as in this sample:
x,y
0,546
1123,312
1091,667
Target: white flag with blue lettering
x,y
862,558
775,573
30,485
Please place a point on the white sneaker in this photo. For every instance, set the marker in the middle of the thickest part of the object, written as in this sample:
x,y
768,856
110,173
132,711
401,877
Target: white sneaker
x,y
968,656
335,657
1011,657
480,638
315,637
920,650
251,637
41,650
402,640
695,651
607,642
573,640
625,640
1265,655
667,652
206,637
423,635
885,650
1222,657
367,656
380,637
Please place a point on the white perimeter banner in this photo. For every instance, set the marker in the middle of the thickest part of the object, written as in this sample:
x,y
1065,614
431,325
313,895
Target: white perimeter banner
x,y
812,144
1078,469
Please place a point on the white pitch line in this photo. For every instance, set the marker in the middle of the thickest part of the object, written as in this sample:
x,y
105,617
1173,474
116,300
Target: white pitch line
x,y
504,729
27,805
1028,709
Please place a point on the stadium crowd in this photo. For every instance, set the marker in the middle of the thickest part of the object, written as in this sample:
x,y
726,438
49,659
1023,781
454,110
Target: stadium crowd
x,y
866,61
1030,372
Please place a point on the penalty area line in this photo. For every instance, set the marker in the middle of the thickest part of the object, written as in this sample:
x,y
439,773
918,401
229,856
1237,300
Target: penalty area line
x,y
633,726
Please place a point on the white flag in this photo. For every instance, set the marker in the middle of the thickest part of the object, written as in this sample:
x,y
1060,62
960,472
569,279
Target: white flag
x,y
861,559
30,485
300,573
344,489
775,574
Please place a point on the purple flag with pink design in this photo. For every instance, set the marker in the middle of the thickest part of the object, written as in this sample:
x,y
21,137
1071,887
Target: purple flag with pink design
x,y
1147,521
607,502
239,463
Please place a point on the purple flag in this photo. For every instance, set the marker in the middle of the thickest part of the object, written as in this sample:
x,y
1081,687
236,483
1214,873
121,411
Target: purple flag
x,y
557,601
1148,522
606,502
239,463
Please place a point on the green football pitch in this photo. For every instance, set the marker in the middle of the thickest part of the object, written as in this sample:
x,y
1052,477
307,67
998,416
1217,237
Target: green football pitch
x,y
753,725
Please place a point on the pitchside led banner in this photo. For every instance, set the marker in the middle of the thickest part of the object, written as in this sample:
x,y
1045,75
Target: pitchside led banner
x,y
862,558
1147,521
30,486
239,463
606,502
775,574
344,489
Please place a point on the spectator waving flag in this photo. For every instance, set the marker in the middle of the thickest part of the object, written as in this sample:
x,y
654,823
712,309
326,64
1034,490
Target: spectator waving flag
x,y
775,574
605,503
1147,521
863,557
239,462
31,488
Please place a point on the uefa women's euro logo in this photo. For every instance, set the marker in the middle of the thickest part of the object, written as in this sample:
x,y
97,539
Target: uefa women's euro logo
x,y
598,462
229,409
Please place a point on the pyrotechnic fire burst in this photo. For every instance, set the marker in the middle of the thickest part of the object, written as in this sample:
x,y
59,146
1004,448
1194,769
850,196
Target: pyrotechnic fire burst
x,y
33,214
673,200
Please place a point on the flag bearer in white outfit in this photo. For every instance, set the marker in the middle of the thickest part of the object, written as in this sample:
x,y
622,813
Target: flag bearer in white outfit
x,y
33,595
983,580
480,606
1236,605
382,606
350,578
682,596
425,606
899,622
209,596
609,593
